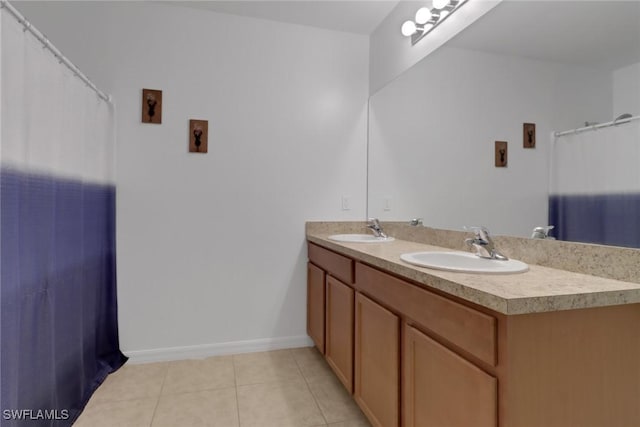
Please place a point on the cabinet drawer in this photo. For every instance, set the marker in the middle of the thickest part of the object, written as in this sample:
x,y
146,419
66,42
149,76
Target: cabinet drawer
x,y
471,330
336,265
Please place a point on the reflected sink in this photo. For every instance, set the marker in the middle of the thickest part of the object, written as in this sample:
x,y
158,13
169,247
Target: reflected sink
x,y
463,262
360,238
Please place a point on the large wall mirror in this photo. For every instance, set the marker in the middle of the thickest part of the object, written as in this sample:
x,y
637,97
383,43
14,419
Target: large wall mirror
x,y
556,64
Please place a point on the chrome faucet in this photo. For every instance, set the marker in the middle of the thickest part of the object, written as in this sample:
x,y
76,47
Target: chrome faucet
x,y
415,222
376,228
483,244
542,232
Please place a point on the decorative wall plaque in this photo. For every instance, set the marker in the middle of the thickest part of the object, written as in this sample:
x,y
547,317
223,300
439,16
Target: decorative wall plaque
x,y
501,154
151,106
198,136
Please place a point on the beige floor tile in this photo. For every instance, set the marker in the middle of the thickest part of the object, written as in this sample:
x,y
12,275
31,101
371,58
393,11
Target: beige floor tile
x,y
210,408
126,413
335,402
311,362
132,382
278,405
199,374
271,366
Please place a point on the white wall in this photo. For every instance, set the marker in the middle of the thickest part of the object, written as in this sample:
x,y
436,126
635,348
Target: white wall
x,y
582,94
432,133
626,91
211,248
391,53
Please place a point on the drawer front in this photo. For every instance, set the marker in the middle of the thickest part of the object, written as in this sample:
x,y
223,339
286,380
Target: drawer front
x,y
471,330
336,265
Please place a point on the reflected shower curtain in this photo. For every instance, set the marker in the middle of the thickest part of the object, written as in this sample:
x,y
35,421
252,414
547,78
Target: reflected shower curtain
x,y
595,186
59,336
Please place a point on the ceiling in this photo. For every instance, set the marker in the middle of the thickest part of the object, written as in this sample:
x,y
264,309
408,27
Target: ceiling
x,y
355,16
579,32
588,33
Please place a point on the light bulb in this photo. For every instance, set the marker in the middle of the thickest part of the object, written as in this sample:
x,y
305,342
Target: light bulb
x,y
439,4
443,13
427,27
408,28
423,15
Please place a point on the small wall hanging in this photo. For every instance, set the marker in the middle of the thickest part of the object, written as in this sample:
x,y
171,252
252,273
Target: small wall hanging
x,y
198,136
151,106
501,154
529,135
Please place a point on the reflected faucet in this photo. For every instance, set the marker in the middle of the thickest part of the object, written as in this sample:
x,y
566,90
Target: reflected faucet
x,y
542,232
483,244
415,222
374,225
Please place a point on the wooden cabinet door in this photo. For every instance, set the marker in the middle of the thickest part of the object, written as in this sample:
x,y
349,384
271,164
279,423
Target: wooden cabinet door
x,y
441,389
377,342
315,305
339,330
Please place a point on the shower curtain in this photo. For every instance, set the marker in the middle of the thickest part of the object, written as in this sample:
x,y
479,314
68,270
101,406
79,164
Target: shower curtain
x,y
58,319
595,186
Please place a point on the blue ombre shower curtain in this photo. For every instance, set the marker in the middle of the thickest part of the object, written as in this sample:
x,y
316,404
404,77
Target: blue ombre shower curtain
x,y
595,186
58,330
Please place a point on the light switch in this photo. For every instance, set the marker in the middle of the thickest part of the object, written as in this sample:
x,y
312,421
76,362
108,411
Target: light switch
x,y
386,204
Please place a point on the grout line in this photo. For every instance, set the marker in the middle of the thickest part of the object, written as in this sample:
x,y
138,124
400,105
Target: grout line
x,y
313,396
160,395
235,382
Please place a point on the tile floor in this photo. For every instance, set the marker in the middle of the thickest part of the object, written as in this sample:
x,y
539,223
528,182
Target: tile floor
x,y
284,388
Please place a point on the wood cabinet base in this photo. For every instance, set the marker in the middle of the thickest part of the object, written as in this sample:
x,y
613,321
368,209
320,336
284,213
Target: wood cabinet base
x,y
377,362
465,365
339,331
571,368
441,388
315,305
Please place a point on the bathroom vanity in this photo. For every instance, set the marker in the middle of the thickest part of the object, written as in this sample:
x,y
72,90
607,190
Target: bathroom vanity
x,y
419,347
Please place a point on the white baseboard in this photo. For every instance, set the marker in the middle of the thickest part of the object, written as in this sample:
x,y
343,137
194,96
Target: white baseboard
x,y
208,350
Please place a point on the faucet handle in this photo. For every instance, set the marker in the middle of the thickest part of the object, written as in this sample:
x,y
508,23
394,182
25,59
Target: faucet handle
x,y
481,232
374,225
483,245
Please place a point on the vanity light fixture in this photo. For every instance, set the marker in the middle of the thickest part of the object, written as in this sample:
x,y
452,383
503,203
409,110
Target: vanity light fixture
x,y
427,19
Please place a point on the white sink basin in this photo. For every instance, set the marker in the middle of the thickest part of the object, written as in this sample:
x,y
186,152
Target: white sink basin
x,y
463,262
360,238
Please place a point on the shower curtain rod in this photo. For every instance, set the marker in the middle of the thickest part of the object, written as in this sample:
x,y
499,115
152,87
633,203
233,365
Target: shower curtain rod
x,y
598,126
4,4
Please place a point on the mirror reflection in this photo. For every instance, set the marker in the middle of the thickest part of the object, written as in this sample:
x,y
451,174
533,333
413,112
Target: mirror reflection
x,y
520,74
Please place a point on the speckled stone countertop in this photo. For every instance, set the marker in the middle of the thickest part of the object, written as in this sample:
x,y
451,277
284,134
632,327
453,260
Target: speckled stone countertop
x,y
541,289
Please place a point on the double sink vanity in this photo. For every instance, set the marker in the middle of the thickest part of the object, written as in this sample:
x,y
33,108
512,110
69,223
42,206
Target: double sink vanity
x,y
424,347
